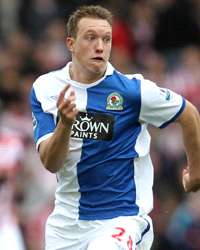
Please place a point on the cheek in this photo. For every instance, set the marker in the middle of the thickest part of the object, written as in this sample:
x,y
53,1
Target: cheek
x,y
81,50
108,50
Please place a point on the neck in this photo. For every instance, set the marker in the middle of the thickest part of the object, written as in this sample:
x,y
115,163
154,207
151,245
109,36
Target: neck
x,y
81,75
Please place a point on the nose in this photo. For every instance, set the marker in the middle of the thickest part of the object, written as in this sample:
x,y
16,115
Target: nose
x,y
99,45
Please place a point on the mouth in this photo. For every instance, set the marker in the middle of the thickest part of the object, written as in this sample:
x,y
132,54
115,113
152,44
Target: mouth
x,y
98,59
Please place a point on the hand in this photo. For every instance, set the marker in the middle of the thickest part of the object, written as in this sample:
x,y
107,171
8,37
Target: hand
x,y
190,184
67,107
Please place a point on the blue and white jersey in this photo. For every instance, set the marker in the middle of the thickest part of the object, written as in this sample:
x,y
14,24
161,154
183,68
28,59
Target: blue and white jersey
x,y
108,172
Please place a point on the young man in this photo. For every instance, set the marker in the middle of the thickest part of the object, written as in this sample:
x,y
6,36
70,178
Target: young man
x,y
90,128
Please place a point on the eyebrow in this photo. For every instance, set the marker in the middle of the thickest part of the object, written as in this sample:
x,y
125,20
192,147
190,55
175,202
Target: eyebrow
x,y
94,31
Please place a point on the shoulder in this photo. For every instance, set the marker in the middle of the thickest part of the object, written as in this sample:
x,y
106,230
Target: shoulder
x,y
129,85
129,78
140,78
46,80
140,86
48,84
146,85
135,77
132,79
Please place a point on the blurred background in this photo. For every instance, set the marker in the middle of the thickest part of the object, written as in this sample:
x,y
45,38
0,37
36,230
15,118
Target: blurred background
x,y
158,38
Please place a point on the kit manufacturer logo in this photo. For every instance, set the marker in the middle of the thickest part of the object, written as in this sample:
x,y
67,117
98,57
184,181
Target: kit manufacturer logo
x,y
165,93
114,101
34,121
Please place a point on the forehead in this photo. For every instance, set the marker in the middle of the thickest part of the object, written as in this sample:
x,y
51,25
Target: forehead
x,y
93,24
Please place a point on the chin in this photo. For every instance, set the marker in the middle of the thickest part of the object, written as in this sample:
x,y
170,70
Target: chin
x,y
99,69
99,73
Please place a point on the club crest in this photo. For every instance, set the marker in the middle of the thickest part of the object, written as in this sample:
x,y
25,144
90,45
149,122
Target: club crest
x,y
114,101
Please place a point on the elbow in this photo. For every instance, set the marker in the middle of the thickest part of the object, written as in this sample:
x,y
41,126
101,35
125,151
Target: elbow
x,y
51,167
47,160
50,159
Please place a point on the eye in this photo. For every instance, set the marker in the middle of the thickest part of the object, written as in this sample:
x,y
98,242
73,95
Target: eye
x,y
90,37
107,39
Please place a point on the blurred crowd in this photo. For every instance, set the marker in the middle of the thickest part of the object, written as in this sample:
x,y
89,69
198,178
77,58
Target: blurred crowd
x,y
158,38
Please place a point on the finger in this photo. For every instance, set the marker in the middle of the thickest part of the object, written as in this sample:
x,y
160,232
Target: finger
x,y
185,180
69,108
71,98
62,94
73,113
66,103
72,93
193,188
70,115
187,184
66,108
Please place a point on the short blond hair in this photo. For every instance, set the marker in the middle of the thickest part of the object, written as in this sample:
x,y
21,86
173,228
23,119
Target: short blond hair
x,y
93,11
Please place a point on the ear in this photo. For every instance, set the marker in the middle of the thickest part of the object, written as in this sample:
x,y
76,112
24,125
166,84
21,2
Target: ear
x,y
70,43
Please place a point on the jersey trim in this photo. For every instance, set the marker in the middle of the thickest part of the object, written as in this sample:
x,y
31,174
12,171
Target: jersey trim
x,y
174,117
144,232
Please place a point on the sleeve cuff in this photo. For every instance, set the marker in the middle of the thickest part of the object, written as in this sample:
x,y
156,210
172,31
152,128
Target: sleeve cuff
x,y
176,115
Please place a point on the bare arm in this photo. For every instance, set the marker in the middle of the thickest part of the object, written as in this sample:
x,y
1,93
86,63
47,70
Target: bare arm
x,y
54,150
190,124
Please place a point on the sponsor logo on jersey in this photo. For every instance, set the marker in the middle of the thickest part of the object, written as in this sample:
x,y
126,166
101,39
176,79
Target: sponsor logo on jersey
x,y
114,101
93,126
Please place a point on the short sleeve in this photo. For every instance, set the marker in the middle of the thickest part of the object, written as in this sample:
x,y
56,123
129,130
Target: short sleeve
x,y
43,122
159,106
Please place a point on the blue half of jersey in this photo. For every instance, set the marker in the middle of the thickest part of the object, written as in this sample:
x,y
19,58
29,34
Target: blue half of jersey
x,y
106,168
